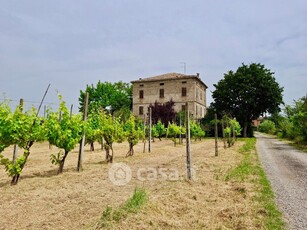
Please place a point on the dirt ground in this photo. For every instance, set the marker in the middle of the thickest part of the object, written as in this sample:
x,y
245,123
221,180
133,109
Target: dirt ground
x,y
43,200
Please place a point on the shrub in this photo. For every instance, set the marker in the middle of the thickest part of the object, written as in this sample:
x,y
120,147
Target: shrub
x,y
267,127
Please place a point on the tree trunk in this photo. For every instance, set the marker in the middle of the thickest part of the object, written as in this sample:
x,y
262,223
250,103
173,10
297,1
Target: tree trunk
x,y
61,167
26,155
92,148
131,150
107,154
101,143
245,129
234,136
109,157
144,147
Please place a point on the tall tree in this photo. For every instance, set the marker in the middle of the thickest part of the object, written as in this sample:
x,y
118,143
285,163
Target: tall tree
x,y
106,95
247,93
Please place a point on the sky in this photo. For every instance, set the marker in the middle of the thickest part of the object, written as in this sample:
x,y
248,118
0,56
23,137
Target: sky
x,y
72,43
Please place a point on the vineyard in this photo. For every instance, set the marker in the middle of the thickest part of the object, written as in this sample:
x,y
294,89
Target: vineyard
x,y
56,187
66,130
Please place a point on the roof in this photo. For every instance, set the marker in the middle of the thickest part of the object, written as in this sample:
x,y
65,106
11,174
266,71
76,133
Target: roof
x,y
169,76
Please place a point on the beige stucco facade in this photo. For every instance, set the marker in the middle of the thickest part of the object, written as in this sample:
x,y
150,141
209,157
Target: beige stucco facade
x,y
172,86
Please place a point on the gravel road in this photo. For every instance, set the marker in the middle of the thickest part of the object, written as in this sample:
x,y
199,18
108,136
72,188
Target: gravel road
x,y
286,168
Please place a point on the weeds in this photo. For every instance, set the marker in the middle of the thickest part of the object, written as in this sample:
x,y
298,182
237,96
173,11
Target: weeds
x,y
132,205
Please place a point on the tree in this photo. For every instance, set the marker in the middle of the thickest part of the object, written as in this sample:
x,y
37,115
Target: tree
x,y
208,121
247,93
163,111
22,129
115,96
300,121
64,132
294,125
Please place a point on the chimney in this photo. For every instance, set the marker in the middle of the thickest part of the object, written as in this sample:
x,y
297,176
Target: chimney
x,y
197,75
140,78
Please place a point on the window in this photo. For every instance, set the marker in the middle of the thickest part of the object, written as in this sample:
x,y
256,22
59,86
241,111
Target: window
x,y
201,95
141,110
161,83
141,94
141,85
161,93
183,91
182,108
184,82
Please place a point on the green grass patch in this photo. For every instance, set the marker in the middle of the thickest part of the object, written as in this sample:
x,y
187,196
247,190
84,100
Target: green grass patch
x,y
250,167
132,205
245,168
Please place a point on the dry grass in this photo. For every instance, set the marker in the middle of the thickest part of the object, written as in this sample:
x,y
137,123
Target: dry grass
x,y
75,200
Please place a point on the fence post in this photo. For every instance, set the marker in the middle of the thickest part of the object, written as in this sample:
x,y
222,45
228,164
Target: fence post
x,y
216,135
82,143
144,130
188,141
150,122
223,133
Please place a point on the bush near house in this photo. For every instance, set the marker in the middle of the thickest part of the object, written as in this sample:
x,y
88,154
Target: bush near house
x,y
267,127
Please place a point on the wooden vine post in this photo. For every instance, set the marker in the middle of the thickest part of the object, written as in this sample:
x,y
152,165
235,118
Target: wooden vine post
x,y
45,110
188,142
149,139
223,133
82,142
216,135
180,136
71,108
144,130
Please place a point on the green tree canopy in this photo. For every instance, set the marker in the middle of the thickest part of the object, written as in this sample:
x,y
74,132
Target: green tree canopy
x,y
247,93
114,96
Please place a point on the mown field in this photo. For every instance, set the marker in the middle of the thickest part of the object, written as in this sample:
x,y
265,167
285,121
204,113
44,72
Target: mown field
x,y
223,195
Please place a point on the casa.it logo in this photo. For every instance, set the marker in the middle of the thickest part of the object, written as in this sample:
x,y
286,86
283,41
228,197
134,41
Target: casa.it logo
x,y
120,174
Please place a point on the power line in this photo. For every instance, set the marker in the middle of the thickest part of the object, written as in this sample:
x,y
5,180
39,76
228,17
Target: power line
x,y
33,102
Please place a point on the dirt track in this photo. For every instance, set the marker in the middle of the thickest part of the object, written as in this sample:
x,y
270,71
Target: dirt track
x,y
74,200
286,169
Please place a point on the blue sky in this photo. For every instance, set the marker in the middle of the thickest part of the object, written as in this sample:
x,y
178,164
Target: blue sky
x,y
71,43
